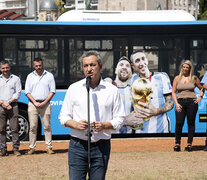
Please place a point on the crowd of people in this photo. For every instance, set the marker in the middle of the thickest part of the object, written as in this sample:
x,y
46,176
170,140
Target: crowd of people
x,y
134,102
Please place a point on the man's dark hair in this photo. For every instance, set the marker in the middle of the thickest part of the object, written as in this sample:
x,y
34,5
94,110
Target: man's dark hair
x,y
38,59
3,62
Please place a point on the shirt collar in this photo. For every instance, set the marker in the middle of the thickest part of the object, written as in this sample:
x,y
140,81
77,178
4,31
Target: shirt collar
x,y
10,76
101,83
136,74
44,72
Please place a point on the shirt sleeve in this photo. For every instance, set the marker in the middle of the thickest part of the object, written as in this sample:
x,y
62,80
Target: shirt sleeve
x,y
204,79
167,87
52,84
18,89
118,111
66,110
27,85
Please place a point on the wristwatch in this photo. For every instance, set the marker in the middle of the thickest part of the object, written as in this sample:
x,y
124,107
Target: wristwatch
x,y
9,102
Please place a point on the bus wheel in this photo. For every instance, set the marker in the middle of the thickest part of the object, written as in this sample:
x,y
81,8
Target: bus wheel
x,y
23,126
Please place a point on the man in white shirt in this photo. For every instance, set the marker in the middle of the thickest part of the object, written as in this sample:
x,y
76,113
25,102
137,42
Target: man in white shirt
x,y
106,114
40,88
10,90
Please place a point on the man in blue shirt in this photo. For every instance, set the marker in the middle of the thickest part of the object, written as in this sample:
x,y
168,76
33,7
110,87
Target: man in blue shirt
x,y
40,88
10,90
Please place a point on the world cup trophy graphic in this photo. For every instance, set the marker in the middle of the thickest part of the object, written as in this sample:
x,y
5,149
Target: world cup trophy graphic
x,y
141,91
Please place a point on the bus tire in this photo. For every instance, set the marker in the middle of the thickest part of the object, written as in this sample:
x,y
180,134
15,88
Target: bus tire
x,y
23,127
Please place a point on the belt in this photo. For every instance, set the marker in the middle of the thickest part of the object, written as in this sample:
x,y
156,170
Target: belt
x,y
85,143
13,103
40,101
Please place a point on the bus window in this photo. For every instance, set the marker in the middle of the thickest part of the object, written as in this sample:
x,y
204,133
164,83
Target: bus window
x,y
21,52
9,50
121,48
76,49
197,44
108,63
154,44
92,44
98,44
33,44
199,60
107,44
164,54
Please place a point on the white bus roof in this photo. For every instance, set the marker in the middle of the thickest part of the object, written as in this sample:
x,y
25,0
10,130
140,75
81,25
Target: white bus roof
x,y
125,16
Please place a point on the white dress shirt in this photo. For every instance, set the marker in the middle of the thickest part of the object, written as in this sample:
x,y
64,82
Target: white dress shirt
x,y
10,88
105,106
40,87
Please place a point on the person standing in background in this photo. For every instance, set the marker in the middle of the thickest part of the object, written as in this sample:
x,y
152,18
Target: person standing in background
x,y
106,114
186,102
40,88
10,91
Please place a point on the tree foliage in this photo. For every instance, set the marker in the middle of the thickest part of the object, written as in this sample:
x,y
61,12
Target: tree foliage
x,y
61,8
202,6
202,10
203,16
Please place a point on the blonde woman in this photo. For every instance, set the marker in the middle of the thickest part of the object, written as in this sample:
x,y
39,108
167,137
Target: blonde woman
x,y
186,102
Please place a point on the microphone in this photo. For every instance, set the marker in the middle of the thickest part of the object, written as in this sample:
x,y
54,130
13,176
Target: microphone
x,y
88,82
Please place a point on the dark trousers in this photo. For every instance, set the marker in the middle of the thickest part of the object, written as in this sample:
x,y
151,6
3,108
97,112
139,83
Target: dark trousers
x,y
189,109
12,116
78,159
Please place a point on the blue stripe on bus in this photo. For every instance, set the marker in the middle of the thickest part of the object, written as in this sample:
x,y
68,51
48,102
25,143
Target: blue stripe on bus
x,y
7,22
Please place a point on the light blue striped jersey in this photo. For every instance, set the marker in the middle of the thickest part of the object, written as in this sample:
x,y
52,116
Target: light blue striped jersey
x,y
204,79
161,85
128,106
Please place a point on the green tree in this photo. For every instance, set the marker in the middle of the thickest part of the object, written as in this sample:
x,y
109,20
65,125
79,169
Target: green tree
x,y
202,10
203,16
61,8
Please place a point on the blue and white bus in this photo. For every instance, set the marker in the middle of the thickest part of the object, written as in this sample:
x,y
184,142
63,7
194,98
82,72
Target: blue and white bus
x,y
167,37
